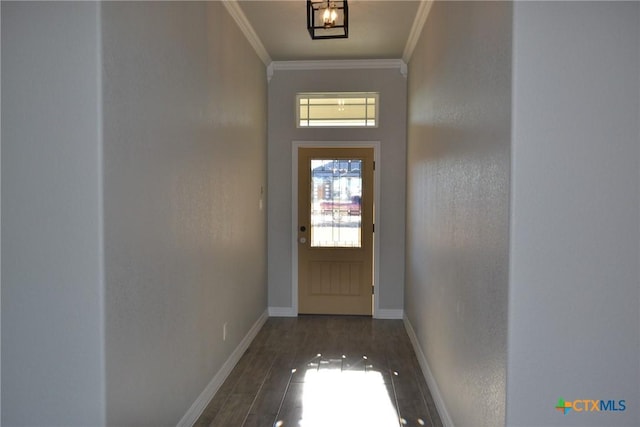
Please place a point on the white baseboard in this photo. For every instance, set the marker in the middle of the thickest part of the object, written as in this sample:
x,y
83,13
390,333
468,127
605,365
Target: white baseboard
x,y
426,371
282,312
384,313
380,313
194,412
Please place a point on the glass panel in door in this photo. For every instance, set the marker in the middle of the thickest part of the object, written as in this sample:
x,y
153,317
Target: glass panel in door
x,y
336,202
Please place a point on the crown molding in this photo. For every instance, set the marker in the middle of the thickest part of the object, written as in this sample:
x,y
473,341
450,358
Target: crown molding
x,y
354,64
238,15
269,71
416,29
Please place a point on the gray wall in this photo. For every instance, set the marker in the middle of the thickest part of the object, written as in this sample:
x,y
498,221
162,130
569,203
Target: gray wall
x,y
574,323
185,239
392,136
0,232
144,123
52,314
458,204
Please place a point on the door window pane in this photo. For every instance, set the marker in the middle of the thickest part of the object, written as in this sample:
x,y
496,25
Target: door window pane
x,y
336,195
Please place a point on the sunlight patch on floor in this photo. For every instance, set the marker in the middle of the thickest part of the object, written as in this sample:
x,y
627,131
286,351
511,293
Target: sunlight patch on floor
x,y
341,398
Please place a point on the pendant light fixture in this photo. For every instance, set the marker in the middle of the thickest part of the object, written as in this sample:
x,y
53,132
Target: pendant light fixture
x,y
328,19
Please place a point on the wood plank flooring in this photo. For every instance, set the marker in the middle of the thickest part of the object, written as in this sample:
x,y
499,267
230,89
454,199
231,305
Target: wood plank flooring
x,y
325,371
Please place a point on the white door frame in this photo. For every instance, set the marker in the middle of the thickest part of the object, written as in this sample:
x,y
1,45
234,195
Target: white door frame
x,y
294,212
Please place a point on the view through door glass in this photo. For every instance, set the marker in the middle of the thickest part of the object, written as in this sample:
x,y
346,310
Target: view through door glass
x,y
336,199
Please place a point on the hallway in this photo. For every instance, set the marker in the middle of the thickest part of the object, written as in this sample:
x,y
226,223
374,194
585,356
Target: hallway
x,y
325,370
149,218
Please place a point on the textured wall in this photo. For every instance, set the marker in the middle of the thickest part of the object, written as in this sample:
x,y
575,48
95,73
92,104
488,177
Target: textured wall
x,y
574,321
185,239
52,339
458,204
392,136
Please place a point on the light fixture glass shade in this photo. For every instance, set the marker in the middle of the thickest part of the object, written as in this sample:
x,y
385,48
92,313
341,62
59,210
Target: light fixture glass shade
x,y
327,19
330,15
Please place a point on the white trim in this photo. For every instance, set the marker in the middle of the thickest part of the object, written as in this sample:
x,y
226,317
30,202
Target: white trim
x,y
269,72
404,70
416,29
428,375
282,312
245,26
386,313
194,412
354,64
294,211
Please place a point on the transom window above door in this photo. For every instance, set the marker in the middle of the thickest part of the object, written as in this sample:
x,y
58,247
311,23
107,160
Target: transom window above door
x,y
337,109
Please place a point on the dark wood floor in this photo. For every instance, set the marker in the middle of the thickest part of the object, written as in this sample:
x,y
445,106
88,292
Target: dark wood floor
x,y
325,371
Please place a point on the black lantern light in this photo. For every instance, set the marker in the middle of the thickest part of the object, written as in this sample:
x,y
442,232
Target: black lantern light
x,y
328,19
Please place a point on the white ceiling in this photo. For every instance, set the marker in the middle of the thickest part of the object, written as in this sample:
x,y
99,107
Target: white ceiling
x,y
378,29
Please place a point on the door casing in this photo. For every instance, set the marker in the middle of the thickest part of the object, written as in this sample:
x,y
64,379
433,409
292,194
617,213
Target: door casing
x,y
294,212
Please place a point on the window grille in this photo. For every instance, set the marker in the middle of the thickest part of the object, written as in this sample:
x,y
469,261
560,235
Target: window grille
x,y
341,109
